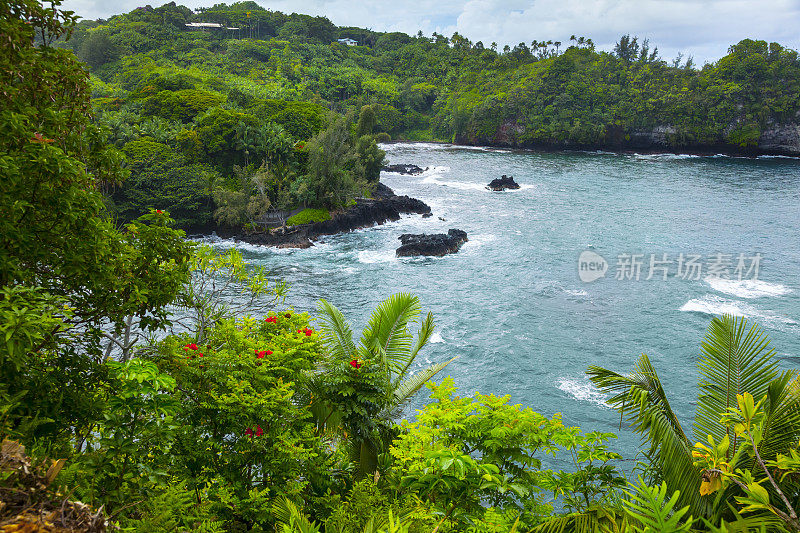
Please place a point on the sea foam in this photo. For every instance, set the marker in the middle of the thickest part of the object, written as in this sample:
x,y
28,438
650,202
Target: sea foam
x,y
747,288
712,304
582,390
433,179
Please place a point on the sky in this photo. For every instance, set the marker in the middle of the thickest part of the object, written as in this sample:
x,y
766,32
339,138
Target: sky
x,y
703,29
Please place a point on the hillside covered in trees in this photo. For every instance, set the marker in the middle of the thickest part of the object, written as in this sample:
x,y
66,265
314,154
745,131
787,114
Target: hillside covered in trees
x,y
220,123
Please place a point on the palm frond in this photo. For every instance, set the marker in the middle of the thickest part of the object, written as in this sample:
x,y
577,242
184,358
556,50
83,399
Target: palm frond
x,y
291,519
782,410
423,336
386,333
594,520
735,359
405,390
640,398
337,335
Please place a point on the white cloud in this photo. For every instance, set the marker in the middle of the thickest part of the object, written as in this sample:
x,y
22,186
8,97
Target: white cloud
x,y
702,28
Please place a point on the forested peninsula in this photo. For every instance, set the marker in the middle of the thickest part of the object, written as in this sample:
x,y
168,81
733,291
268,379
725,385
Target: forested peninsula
x,y
227,112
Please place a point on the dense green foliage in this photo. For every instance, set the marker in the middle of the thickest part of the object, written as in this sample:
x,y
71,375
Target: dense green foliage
x,y
252,98
175,409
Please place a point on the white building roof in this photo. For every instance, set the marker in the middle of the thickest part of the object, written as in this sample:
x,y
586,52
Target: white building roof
x,y
204,25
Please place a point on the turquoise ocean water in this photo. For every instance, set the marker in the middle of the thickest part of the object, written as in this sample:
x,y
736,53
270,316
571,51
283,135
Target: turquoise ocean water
x,y
511,303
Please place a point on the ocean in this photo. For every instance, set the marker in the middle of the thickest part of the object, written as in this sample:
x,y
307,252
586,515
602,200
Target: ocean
x,y
682,238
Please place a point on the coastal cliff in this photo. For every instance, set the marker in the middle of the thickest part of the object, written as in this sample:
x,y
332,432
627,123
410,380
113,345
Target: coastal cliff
x,y
775,138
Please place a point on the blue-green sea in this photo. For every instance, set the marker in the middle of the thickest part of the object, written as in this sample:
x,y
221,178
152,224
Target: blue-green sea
x,y
511,305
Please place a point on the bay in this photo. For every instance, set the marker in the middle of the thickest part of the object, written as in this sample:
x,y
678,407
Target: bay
x,y
511,304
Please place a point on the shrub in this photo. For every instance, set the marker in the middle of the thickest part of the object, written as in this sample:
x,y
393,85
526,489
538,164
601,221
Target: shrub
x,y
307,216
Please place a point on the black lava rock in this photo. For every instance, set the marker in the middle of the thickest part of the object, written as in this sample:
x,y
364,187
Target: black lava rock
x,y
410,170
502,183
384,206
437,244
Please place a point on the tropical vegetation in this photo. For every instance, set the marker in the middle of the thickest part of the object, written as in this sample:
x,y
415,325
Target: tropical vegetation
x,y
137,394
223,125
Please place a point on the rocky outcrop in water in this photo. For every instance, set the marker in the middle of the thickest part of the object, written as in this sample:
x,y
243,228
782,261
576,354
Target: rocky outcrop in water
x,y
502,183
382,207
437,244
410,170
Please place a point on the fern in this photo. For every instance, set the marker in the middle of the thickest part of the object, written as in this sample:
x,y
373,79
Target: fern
x,y
650,507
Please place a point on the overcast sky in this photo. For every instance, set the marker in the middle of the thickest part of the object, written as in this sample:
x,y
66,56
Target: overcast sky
x,y
701,28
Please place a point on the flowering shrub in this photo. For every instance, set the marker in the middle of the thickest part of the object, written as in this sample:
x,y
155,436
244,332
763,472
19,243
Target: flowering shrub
x,y
242,427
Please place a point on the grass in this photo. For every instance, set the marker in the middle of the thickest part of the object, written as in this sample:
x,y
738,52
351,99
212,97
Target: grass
x,y
307,216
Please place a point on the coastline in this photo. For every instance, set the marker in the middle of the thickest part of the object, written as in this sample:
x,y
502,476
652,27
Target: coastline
x,y
384,206
700,151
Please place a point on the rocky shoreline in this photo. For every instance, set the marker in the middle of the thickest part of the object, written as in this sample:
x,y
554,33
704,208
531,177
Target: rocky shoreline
x,y
384,206
777,140
644,148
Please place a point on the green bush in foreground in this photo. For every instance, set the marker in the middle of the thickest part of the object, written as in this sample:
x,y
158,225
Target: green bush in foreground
x,y
307,216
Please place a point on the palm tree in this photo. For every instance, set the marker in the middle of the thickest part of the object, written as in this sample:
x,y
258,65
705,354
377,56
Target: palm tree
x,y
735,359
361,389
244,140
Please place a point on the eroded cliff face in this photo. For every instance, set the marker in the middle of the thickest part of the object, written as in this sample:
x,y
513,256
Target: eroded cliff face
x,y
778,138
781,138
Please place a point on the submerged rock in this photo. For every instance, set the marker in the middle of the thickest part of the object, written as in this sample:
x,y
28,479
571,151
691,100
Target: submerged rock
x,y
437,244
502,183
410,170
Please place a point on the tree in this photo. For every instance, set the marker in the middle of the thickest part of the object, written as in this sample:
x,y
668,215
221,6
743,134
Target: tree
x,y
333,175
62,256
736,360
371,158
362,387
97,49
366,121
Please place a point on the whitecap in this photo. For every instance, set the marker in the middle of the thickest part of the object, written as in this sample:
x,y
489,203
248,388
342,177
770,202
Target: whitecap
x,y
777,157
712,304
477,241
582,390
225,244
436,338
577,292
663,157
464,186
390,147
747,288
376,256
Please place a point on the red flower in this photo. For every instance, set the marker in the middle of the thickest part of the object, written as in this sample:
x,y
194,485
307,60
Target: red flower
x,y
272,319
199,355
355,364
248,432
191,346
159,211
308,332
269,352
259,431
262,353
